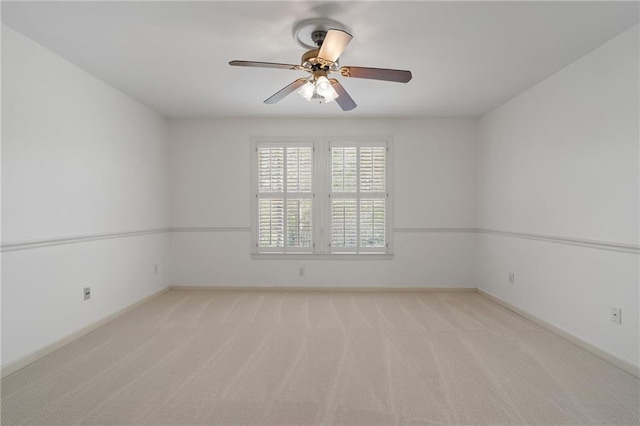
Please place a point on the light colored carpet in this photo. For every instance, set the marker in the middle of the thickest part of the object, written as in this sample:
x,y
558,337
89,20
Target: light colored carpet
x,y
297,358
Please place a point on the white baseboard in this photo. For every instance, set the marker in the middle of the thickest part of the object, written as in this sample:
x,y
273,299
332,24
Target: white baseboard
x,y
595,350
623,364
22,362
333,289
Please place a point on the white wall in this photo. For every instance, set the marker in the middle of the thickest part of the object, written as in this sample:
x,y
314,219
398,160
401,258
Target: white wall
x,y
561,160
434,191
79,158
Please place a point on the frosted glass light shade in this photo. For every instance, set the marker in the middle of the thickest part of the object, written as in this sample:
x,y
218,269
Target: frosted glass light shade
x,y
324,89
323,86
331,95
306,91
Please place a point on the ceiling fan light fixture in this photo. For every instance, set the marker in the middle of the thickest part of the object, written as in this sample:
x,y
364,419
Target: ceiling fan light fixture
x,y
324,89
307,90
331,96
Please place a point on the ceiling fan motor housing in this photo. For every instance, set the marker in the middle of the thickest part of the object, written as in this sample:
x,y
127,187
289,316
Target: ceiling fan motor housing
x,y
310,61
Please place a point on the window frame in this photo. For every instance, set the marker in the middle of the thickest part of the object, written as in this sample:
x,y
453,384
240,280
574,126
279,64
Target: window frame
x,y
321,200
256,143
359,142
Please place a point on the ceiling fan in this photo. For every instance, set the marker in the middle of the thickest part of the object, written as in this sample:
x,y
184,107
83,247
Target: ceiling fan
x,y
320,62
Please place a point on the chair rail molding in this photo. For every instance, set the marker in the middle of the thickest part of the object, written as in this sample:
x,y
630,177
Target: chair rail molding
x,y
48,242
559,239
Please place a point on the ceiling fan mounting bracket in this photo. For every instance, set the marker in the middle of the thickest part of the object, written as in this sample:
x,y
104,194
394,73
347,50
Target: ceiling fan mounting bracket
x,y
310,33
318,37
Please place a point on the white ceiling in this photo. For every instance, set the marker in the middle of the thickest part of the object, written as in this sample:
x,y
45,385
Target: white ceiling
x,y
466,57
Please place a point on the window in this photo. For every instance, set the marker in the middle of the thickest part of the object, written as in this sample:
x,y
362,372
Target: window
x,y
358,197
284,197
350,215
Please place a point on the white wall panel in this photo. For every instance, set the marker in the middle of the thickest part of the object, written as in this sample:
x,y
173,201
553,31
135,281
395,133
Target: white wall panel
x,y
434,167
79,159
561,161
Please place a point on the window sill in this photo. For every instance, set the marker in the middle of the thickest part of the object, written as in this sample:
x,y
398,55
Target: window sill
x,y
317,256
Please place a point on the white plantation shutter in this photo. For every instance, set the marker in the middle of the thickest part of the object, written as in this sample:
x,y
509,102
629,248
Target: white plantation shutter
x,y
344,223
344,169
299,169
358,197
285,197
299,223
372,169
271,222
270,169
372,223
373,184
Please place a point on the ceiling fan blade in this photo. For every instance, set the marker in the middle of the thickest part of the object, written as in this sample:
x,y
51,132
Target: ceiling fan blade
x,y
399,76
344,100
285,91
263,65
333,45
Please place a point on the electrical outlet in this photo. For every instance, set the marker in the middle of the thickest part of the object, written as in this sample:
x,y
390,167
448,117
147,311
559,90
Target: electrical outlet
x,y
616,315
87,293
512,278
301,272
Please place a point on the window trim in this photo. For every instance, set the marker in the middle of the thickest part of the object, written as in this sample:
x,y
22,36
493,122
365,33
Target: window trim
x,y
321,206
